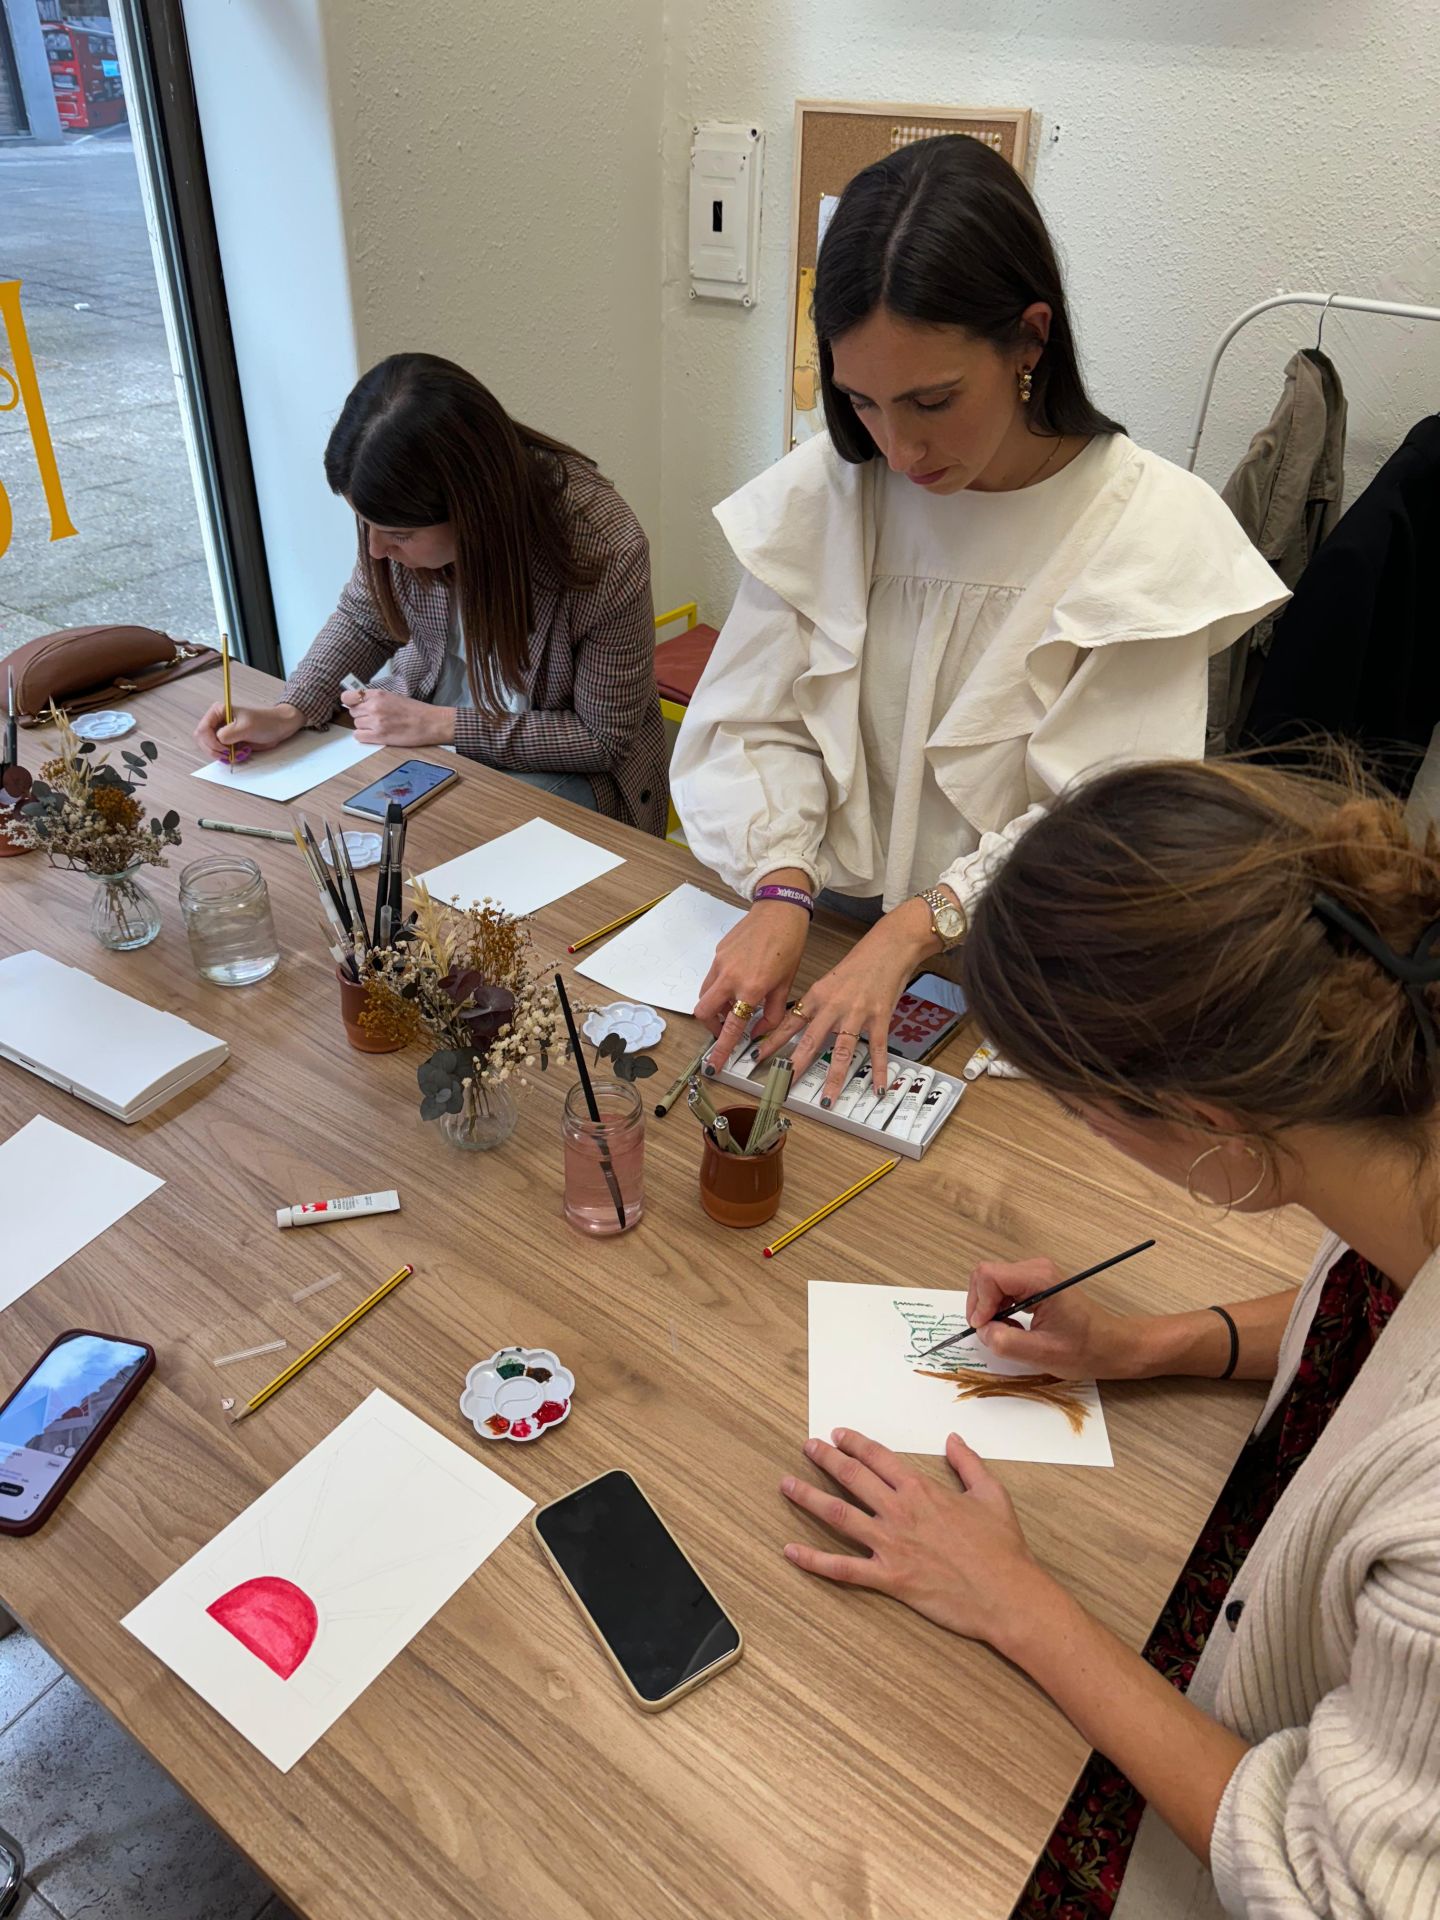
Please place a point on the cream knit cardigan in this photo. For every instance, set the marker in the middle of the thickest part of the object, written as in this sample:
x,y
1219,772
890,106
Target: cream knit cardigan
x,y
1332,1668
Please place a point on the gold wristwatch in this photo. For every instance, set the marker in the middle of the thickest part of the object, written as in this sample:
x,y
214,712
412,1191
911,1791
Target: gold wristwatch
x,y
948,921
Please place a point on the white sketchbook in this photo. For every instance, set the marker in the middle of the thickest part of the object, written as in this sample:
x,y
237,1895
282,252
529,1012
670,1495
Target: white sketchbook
x,y
867,1347
121,1055
290,1612
521,871
662,958
61,1191
303,761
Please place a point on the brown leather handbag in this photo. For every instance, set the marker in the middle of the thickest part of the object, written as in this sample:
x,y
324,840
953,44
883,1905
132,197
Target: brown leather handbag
x,y
81,668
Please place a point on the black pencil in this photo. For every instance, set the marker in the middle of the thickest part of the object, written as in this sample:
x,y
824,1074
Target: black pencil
x,y
1048,1293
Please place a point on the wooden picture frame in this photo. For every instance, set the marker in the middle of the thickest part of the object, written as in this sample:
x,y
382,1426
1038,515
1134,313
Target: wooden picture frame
x,y
835,140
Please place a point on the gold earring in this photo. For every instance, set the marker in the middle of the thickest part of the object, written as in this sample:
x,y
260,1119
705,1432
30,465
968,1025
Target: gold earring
x,y
1027,381
1235,1200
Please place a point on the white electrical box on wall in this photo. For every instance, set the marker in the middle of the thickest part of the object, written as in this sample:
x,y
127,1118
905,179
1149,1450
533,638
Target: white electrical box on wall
x,y
726,159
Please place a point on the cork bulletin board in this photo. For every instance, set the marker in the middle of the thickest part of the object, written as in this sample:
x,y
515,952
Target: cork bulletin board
x,y
835,140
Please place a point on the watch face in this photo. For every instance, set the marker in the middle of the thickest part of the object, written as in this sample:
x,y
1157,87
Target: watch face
x,y
951,923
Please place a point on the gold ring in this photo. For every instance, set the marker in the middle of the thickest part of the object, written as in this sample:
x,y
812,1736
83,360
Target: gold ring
x,y
846,1033
742,1010
797,1010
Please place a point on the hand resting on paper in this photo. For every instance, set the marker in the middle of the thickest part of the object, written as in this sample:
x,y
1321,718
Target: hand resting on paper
x,y
251,730
951,1550
384,719
1070,1336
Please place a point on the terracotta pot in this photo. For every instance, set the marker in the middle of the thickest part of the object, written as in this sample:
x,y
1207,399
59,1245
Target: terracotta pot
x,y
352,1005
736,1189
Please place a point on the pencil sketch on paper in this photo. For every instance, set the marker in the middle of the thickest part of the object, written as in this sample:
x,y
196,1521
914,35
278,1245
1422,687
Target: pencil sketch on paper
x,y
928,1326
969,1366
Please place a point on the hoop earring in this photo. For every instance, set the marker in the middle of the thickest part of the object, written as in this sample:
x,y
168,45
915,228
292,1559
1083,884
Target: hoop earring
x,y
1027,381
1235,1200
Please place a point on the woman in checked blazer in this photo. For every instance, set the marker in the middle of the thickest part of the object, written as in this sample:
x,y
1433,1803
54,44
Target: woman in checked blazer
x,y
500,604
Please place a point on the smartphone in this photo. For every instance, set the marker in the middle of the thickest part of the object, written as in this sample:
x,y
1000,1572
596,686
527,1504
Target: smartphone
x,y
926,1015
55,1419
644,1602
411,785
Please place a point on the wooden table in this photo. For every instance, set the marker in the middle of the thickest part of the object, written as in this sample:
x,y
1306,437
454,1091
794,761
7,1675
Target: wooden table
x,y
858,1761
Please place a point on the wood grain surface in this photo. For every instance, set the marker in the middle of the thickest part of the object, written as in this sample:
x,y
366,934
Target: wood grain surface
x,y
858,1763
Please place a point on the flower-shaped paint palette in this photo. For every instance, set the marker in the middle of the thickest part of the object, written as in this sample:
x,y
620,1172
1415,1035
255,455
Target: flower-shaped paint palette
x,y
639,1027
517,1394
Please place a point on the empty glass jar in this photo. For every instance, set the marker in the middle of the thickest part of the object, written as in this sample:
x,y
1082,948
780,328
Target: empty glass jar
x,y
227,916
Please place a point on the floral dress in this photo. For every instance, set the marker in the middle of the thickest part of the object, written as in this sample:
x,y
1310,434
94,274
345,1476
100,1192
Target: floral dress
x,y
1078,1875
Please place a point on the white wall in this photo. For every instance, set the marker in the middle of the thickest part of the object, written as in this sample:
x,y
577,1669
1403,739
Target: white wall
x,y
1209,153
260,87
500,176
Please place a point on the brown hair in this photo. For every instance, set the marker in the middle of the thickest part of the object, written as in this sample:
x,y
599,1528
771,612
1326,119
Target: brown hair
x,y
420,441
1154,941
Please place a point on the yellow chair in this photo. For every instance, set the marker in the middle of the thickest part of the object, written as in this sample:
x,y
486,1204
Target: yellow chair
x,y
679,663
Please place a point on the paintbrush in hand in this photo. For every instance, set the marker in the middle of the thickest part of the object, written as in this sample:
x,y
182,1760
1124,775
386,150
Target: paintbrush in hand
x,y
1046,1293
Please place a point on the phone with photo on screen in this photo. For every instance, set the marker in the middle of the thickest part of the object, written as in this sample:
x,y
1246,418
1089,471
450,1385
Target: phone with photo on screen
x,y
664,1630
56,1418
411,785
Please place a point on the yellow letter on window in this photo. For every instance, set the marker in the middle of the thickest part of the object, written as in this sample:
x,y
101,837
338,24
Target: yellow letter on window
x,y
24,385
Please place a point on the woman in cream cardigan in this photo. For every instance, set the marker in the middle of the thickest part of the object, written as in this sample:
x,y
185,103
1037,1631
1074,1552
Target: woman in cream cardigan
x,y
971,589
1229,973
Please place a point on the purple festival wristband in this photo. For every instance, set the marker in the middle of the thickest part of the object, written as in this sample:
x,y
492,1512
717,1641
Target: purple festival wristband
x,y
792,896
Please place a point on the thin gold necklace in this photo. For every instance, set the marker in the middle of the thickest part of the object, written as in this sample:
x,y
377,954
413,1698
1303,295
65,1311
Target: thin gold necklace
x,y
1059,442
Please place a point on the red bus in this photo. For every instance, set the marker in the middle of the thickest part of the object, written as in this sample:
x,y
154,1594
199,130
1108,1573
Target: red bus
x,y
85,74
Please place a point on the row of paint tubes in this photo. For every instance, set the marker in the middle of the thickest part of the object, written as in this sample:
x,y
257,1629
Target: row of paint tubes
x,y
911,1107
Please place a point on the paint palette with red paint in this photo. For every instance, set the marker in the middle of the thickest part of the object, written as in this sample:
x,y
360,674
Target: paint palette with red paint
x,y
517,1394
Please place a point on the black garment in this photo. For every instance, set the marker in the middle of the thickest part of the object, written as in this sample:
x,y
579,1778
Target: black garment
x,y
1357,651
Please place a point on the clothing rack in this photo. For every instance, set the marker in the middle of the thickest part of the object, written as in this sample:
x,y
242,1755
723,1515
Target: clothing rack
x,y
1341,302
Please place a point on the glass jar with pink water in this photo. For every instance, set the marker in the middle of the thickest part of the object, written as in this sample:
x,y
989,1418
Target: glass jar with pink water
x,y
604,1158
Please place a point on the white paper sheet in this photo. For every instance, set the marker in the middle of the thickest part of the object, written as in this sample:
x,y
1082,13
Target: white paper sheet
x,y
303,761
865,1345
291,1611
523,870
60,1192
662,958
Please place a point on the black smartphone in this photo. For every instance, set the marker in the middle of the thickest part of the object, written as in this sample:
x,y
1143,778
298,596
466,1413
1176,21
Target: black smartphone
x,y
55,1419
646,1605
926,1015
411,785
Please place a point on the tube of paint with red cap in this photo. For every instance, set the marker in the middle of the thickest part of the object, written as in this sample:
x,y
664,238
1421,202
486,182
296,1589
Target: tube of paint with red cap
x,y
319,1213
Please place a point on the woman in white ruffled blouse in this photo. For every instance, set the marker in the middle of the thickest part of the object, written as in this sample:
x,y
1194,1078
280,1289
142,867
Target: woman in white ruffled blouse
x,y
972,589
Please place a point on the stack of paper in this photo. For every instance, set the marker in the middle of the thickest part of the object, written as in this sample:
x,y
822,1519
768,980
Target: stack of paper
x,y
117,1053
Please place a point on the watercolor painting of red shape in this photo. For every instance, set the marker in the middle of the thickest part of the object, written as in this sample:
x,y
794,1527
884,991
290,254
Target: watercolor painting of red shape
x,y
271,1617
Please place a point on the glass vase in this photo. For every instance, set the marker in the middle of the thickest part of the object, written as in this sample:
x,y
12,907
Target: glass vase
x,y
487,1119
123,914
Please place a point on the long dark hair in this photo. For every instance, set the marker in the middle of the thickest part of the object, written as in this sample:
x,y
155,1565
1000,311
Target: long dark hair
x,y
945,232
420,441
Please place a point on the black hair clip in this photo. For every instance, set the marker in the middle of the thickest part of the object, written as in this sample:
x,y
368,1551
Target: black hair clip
x,y
1417,970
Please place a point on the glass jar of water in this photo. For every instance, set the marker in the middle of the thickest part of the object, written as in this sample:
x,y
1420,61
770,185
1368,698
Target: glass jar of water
x,y
227,916
604,1158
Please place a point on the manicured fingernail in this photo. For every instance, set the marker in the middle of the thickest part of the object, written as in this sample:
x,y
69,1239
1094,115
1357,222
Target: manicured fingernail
x,y
825,1100
792,1553
787,1485
708,1071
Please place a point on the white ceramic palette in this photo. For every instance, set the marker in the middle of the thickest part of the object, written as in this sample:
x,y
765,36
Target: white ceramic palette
x,y
905,1119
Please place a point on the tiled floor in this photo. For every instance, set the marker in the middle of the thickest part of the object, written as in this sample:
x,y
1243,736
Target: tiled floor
x,y
106,1835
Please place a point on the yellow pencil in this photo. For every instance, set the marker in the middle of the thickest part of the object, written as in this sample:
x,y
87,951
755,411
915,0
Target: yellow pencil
x,y
876,1173
342,1326
225,674
623,921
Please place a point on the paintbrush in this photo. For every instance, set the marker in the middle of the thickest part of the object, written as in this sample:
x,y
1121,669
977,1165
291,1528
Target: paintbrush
x,y
607,1166
349,892
1046,1293
12,750
322,876
340,944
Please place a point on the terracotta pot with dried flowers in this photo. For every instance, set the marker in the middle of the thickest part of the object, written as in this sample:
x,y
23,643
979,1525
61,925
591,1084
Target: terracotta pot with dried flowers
x,y
466,980
85,817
